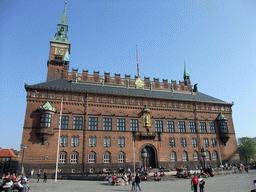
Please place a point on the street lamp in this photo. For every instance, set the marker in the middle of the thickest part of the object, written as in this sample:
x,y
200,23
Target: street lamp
x,y
203,154
144,155
23,154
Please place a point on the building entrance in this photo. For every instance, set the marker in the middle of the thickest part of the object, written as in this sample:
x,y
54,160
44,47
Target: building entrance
x,y
151,157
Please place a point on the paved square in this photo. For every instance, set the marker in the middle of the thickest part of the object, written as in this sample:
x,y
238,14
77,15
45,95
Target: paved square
x,y
227,183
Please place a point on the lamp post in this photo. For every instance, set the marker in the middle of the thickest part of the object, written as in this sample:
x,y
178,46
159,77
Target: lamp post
x,y
203,154
144,156
23,154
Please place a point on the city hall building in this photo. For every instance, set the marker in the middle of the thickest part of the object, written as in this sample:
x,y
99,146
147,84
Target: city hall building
x,y
107,120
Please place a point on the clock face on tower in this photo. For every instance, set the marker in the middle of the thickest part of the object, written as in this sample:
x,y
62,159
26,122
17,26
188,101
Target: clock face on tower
x,y
59,51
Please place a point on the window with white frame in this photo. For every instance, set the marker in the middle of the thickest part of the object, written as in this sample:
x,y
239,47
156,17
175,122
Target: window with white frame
x,y
172,142
213,142
107,142
173,156
74,157
134,125
63,157
206,142
203,127
107,124
214,155
159,126
92,141
121,142
192,127
93,123
183,142
121,157
170,126
208,156
182,128
74,141
184,156
212,128
92,157
120,125
195,156
194,142
63,141
106,157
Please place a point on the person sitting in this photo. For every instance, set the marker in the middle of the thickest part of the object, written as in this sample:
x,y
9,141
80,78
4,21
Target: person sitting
x,y
162,174
115,179
155,174
158,178
8,184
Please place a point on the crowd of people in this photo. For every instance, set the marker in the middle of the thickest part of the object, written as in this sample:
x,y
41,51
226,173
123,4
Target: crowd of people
x,y
11,182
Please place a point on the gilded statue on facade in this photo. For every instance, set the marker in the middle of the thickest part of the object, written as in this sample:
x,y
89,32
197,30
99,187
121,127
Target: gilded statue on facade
x,y
146,118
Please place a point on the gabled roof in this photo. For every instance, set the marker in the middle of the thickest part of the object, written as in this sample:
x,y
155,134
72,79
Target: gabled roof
x,y
7,153
121,90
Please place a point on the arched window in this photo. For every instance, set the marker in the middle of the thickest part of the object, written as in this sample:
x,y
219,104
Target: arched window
x,y
106,157
195,156
173,156
63,157
121,157
92,157
214,155
184,156
208,156
74,157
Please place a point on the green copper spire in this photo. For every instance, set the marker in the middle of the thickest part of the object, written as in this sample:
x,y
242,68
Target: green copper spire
x,y
61,36
47,107
221,117
66,58
186,74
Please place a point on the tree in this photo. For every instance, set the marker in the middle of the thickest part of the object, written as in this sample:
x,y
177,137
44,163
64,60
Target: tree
x,y
247,148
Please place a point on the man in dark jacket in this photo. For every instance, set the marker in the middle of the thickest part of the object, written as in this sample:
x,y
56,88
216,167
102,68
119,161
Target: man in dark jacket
x,y
137,181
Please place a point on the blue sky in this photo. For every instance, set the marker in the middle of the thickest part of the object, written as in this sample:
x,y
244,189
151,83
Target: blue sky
x,y
216,39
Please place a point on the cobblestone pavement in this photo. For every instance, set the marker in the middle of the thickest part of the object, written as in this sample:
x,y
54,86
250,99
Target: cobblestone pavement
x,y
234,182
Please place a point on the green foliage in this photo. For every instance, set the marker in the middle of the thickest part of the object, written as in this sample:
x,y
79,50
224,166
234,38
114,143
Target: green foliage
x,y
247,148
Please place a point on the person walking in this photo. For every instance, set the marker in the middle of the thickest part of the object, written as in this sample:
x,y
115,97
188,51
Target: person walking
x,y
38,176
31,173
201,183
45,177
194,182
133,183
137,182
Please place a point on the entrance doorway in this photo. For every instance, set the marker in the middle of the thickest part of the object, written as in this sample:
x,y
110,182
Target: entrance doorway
x,y
151,160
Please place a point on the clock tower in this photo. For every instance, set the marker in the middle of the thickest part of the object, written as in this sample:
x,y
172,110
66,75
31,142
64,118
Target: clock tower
x,y
58,63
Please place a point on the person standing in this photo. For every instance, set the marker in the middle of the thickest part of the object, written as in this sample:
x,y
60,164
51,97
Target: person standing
x,y
45,177
201,183
194,182
38,176
32,173
137,182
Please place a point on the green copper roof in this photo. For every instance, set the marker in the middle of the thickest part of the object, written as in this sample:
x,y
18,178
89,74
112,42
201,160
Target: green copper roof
x,y
146,109
186,74
61,36
221,117
63,18
66,58
47,107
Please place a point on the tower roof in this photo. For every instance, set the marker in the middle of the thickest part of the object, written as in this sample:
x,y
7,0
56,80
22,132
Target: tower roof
x,y
186,74
47,107
63,18
221,117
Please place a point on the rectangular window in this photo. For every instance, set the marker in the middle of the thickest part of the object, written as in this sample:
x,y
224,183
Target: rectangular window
x,y
106,158
172,142
159,126
64,122
45,120
107,142
92,142
77,122
206,142
192,127
63,141
121,142
182,128
93,123
183,142
170,126
212,128
74,141
194,143
213,142
224,127
134,125
107,124
91,157
121,157
203,127
120,124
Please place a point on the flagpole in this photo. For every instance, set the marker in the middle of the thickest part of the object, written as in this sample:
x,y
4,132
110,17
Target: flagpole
x,y
58,146
220,157
133,158
138,72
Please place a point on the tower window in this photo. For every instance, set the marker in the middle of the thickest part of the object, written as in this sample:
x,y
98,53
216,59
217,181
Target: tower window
x,y
57,71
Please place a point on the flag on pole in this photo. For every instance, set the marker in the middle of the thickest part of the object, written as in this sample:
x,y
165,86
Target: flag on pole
x,y
138,72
